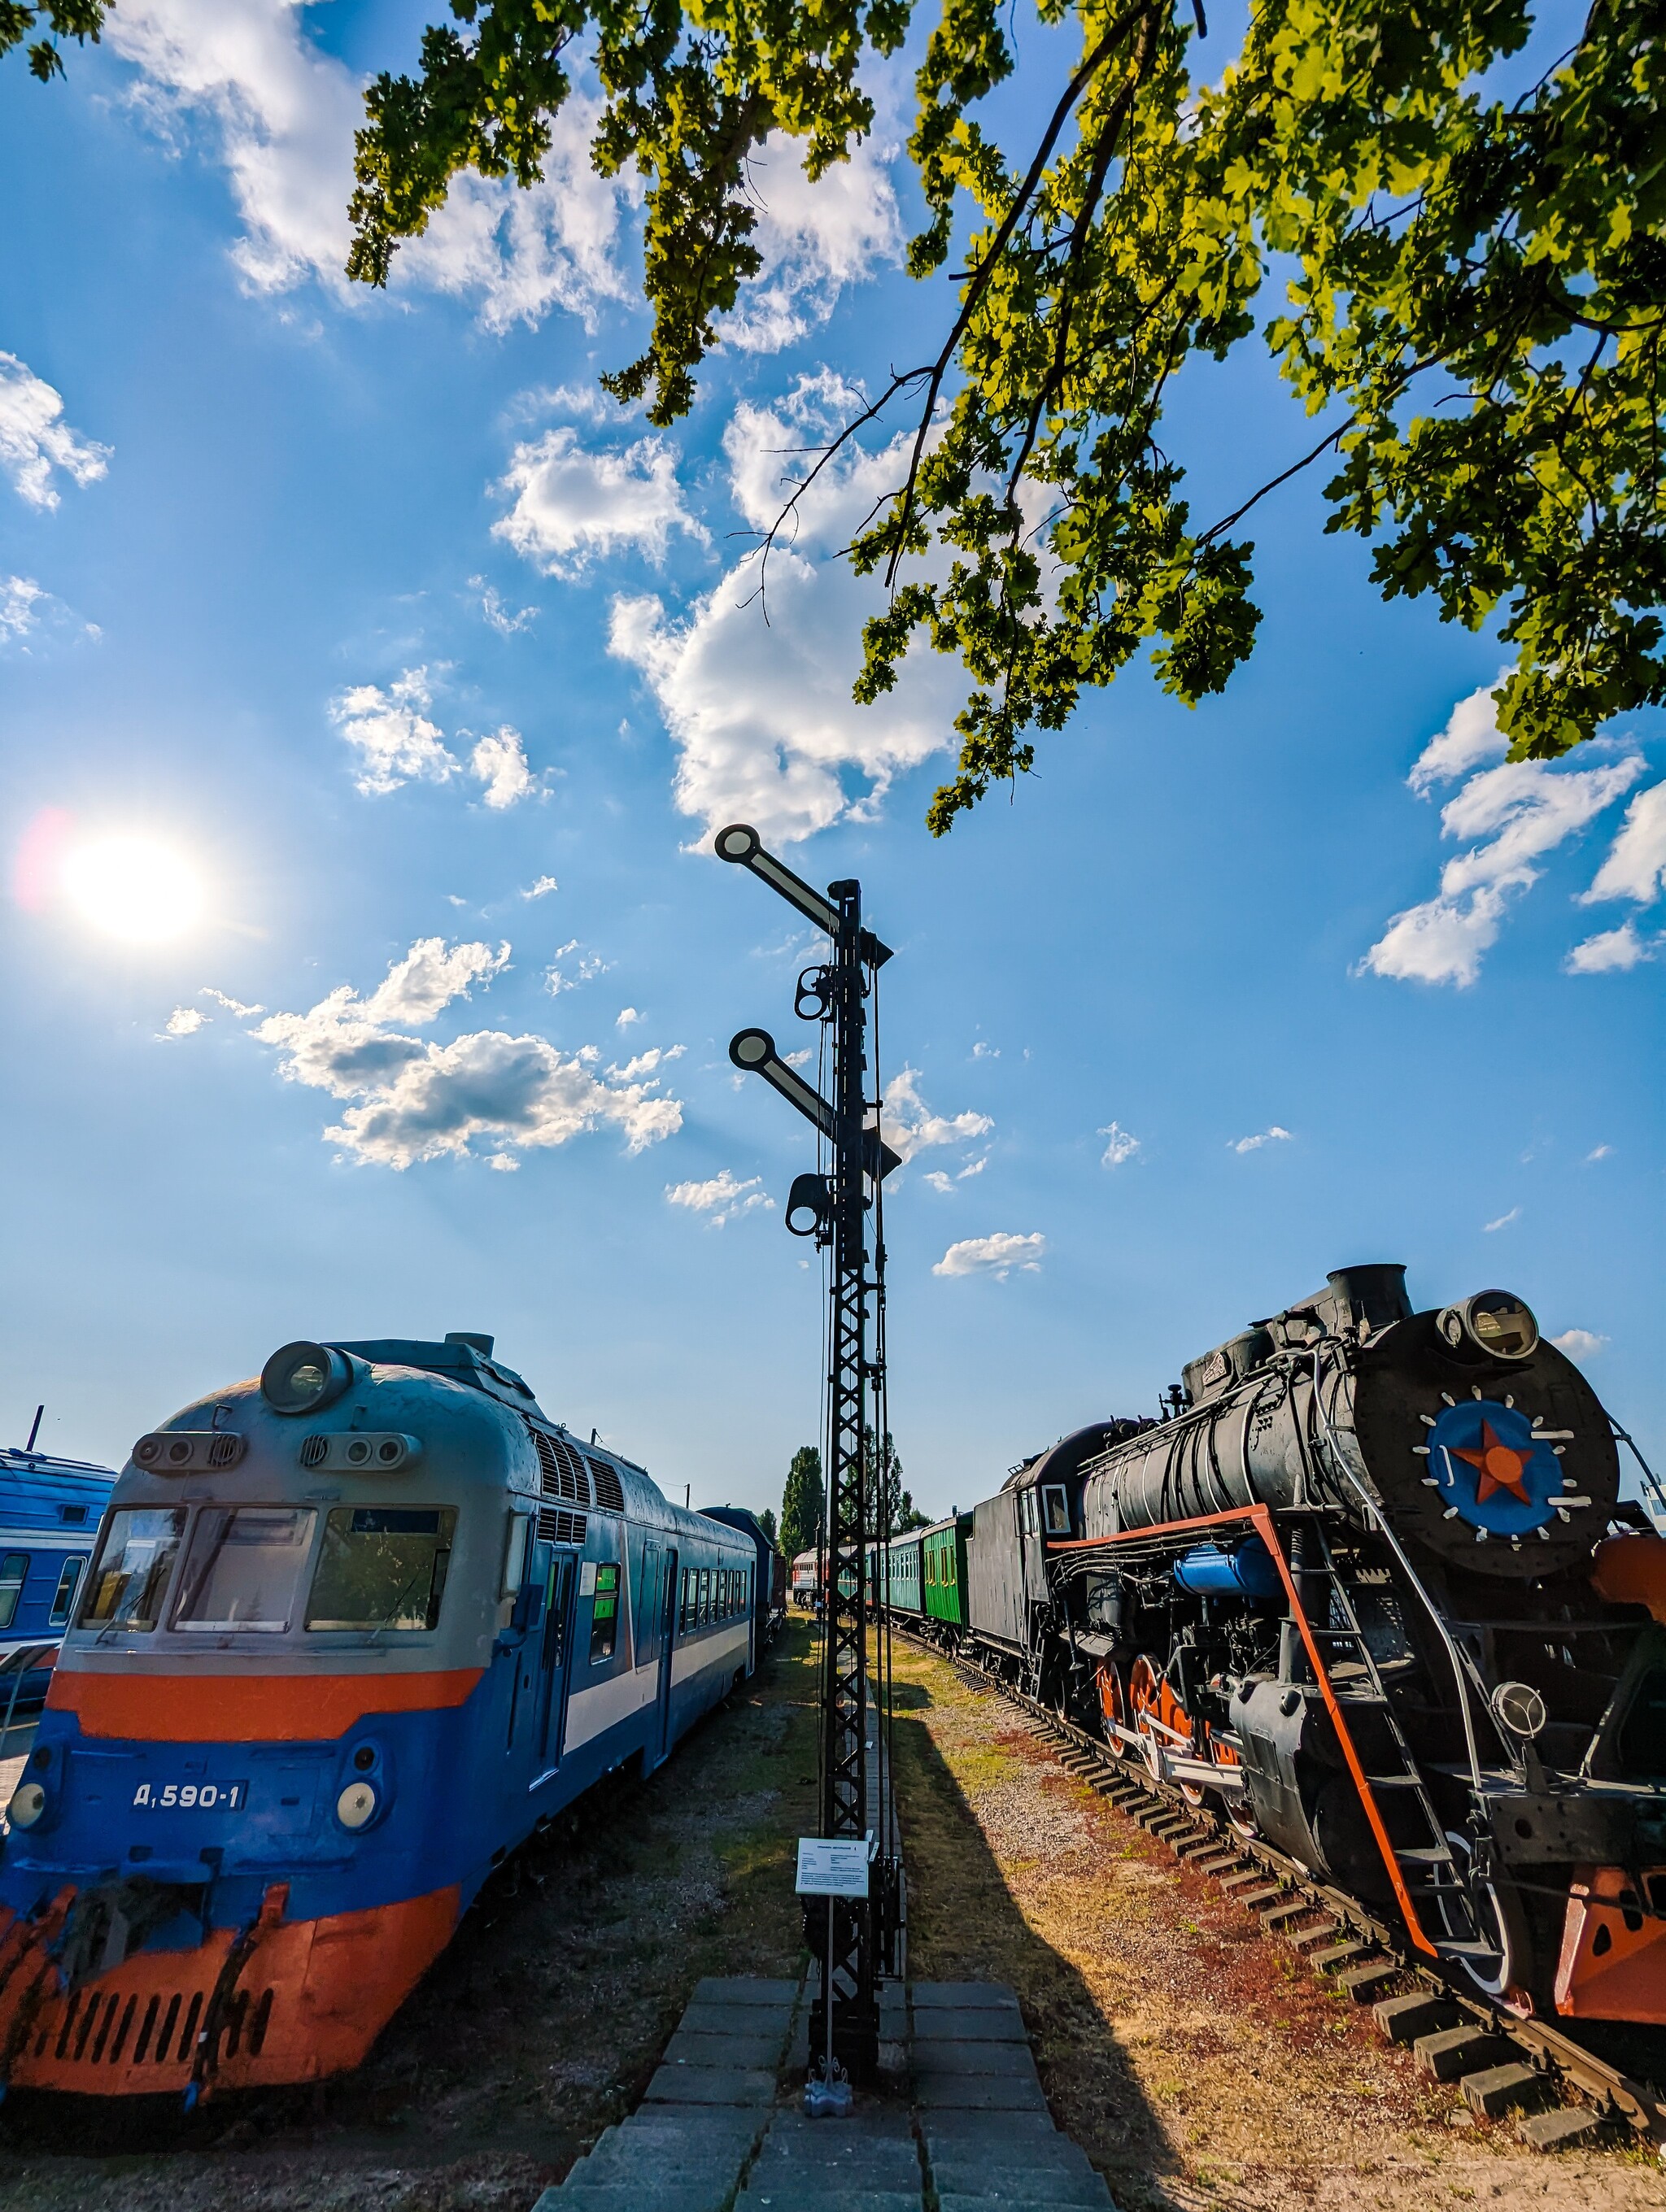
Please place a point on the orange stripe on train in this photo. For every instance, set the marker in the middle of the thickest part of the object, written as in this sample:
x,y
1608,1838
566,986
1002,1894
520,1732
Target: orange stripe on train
x,y
246,1708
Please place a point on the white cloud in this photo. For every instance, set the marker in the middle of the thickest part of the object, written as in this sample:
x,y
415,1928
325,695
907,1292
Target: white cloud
x,y
573,504
1580,1343
20,596
1120,1145
542,888
499,761
485,1092
282,115
815,240
798,1059
394,739
591,964
982,1051
644,1063
231,1005
1490,1228
994,1256
910,1127
760,711
1273,1135
1636,865
496,610
185,1021
1471,736
35,441
1602,1152
973,1168
1524,810
723,1198
938,1182
1610,952
625,1017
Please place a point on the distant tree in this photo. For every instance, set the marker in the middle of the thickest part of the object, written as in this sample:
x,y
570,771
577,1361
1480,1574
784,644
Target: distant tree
x,y
766,1520
79,20
895,1510
803,1502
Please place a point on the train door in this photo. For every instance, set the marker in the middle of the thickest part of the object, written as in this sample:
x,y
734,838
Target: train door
x,y
552,1681
668,1633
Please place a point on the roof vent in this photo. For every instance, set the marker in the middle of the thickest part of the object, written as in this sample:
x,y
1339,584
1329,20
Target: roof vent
x,y
482,1344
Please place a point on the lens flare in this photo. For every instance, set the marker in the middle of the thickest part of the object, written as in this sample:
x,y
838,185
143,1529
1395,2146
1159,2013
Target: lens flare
x,y
132,888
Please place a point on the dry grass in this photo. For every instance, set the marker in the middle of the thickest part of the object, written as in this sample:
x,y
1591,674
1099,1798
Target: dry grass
x,y
1199,2064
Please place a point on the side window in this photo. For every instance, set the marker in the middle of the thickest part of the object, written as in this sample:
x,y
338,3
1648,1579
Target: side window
x,y
135,1559
1056,1511
382,1568
68,1581
686,1608
605,1613
13,1569
703,1611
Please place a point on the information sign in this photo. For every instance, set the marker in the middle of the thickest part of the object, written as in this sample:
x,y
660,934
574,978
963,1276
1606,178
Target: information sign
x,y
833,1866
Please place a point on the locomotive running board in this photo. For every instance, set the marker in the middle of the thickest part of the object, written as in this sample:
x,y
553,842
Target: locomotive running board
x,y
1260,1518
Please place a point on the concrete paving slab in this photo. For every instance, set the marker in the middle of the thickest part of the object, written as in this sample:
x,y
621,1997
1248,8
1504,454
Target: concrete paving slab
x,y
743,2051
990,2026
711,2085
703,2019
635,2196
714,1989
978,2093
788,2198
957,2200
1012,2059
962,1996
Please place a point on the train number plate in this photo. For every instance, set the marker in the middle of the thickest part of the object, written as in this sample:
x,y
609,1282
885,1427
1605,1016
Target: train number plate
x,y
191,1797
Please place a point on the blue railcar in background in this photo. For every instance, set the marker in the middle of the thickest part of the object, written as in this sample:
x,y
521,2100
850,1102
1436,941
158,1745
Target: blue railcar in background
x,y
49,1511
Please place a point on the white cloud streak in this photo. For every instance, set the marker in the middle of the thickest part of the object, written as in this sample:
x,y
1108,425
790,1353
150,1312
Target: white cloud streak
x,y
996,1255
721,1200
1520,811
1611,951
910,1127
815,240
761,711
1119,1146
1274,1135
1580,1343
1491,1228
185,1021
499,761
36,444
1471,736
573,504
1636,865
484,1094
541,889
394,739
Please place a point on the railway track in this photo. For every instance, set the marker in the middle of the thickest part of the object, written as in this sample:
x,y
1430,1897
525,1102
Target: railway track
x,y
1564,2094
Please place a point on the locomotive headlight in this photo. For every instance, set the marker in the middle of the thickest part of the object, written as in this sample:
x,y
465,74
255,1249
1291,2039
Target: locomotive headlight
x,y
1496,1323
1520,1708
303,1376
356,1805
28,1803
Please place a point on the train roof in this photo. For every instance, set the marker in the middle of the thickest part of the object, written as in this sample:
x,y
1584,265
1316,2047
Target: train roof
x,y
38,1492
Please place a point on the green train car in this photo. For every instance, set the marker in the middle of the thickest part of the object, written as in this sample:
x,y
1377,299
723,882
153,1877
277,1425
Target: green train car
x,y
943,1572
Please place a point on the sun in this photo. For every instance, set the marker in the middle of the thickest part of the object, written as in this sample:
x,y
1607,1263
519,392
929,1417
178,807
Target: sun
x,y
133,887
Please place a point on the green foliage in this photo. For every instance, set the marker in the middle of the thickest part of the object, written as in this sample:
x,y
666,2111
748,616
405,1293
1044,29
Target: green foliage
x,y
766,1520
804,1502
1475,298
79,20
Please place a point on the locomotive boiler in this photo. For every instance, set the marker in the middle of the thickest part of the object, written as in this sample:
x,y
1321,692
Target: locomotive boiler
x,y
1371,1589
351,1633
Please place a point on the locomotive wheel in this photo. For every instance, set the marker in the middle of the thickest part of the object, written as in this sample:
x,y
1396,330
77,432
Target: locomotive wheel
x,y
1113,1706
1235,1806
1504,1972
1163,1722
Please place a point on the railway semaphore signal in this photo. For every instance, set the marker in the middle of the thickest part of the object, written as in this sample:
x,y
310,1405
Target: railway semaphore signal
x,y
859,1933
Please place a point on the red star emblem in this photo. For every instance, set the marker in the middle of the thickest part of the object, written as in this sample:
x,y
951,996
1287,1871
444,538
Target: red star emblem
x,y
1498,1467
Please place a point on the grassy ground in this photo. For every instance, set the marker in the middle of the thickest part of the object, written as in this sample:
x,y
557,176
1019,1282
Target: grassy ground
x,y
537,2027
1199,2064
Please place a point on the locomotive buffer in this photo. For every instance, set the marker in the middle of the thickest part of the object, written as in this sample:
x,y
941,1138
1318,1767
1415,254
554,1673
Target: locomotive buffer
x,y
855,1934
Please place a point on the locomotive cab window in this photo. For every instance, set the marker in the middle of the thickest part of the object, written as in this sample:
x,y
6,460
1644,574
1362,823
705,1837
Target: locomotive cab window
x,y
14,1570
243,1568
126,1588
382,1567
68,1581
605,1613
1055,1511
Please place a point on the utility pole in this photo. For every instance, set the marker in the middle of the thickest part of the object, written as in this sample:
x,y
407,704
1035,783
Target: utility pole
x,y
834,1208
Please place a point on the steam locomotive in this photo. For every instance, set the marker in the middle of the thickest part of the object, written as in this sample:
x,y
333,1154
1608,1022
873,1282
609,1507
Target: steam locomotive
x,y
350,1634
1368,1589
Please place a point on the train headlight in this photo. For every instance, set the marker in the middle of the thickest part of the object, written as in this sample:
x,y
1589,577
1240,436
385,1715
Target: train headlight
x,y
28,1803
356,1806
1520,1708
1496,1323
303,1376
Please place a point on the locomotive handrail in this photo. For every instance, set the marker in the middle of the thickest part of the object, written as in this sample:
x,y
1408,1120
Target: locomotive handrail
x,y
1376,1516
1651,1481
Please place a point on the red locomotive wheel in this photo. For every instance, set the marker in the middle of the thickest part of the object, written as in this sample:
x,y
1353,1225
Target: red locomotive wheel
x,y
1113,1705
1163,1722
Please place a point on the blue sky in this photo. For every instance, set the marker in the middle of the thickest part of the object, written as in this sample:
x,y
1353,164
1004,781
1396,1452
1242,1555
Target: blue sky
x,y
432,672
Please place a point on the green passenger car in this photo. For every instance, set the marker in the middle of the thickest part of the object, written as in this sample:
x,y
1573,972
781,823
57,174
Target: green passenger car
x,y
942,1569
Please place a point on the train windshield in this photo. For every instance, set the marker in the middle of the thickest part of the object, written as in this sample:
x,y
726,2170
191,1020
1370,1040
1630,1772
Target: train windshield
x,y
382,1567
125,1589
243,1568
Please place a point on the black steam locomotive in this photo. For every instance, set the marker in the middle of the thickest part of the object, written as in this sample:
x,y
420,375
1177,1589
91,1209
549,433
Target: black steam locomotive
x,y
1369,1589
